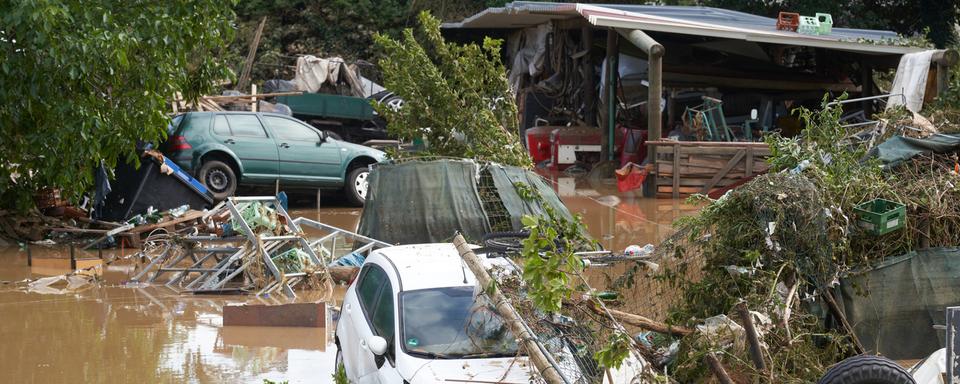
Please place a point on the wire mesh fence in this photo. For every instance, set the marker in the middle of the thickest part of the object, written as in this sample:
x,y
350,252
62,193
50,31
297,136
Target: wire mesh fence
x,y
573,338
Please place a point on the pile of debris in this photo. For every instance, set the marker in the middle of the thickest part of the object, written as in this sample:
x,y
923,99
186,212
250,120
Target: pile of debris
x,y
251,244
783,291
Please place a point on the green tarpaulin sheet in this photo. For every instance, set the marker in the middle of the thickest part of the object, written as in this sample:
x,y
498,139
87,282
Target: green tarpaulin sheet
x,y
429,201
900,148
893,307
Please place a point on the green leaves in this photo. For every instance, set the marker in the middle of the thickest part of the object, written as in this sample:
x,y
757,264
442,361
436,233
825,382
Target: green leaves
x,y
456,97
549,254
84,81
616,350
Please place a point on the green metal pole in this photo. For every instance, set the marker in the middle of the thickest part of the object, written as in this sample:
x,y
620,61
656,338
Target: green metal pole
x,y
612,74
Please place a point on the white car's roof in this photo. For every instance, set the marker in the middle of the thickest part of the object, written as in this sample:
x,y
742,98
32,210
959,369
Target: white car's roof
x,y
422,266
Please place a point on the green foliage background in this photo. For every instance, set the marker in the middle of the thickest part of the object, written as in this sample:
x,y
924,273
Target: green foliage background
x,y
82,81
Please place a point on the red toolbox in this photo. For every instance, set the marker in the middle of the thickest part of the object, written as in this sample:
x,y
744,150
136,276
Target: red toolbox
x,y
567,142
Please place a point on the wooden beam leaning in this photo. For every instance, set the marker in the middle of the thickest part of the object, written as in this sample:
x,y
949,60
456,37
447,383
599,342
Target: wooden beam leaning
x,y
539,359
251,55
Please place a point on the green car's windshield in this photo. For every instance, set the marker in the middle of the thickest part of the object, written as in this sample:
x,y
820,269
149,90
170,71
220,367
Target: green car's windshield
x,y
453,323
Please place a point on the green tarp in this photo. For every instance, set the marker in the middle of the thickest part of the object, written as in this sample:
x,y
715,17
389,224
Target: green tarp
x,y
900,148
893,307
428,201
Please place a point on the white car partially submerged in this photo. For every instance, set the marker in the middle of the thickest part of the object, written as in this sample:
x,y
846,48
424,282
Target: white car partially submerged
x,y
413,316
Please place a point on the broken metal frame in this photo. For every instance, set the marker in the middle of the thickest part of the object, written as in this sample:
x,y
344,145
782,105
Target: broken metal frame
x,y
199,277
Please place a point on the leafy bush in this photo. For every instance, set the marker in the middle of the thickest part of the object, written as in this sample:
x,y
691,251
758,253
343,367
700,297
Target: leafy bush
x,y
84,81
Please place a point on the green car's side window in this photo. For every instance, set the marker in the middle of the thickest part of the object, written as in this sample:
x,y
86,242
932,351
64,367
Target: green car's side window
x,y
220,125
287,129
246,125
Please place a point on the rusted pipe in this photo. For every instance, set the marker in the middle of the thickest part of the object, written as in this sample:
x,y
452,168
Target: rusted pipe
x,y
655,53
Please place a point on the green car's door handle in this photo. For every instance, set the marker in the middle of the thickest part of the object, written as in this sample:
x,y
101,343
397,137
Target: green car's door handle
x,y
229,141
284,145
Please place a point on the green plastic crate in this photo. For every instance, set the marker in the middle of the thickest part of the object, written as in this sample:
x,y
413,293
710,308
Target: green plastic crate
x,y
881,216
826,23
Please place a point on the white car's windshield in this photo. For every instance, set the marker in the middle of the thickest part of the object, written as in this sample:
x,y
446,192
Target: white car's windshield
x,y
452,323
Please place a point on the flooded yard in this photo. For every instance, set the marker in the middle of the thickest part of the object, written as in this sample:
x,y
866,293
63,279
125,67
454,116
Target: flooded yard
x,y
124,332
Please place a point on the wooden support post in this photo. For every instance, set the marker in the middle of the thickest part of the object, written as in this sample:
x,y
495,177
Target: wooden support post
x,y
503,307
589,79
748,166
717,368
318,198
944,59
253,98
251,55
756,353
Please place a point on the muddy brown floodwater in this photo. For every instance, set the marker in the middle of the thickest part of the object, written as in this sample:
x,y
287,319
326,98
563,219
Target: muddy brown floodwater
x,y
127,333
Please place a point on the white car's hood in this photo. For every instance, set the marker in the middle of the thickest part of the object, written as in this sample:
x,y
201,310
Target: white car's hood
x,y
500,370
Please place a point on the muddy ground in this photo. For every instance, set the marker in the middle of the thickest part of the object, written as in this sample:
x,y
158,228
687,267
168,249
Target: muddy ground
x,y
134,333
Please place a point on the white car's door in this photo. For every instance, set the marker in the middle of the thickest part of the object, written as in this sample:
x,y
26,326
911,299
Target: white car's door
x,y
358,360
372,315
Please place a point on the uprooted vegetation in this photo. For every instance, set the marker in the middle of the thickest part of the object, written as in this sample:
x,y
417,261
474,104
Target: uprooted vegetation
x,y
781,243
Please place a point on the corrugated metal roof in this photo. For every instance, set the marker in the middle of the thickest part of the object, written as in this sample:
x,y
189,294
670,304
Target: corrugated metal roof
x,y
700,21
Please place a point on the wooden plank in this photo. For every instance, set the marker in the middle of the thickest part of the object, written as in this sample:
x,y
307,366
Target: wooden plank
x,y
736,159
676,175
748,164
733,144
192,215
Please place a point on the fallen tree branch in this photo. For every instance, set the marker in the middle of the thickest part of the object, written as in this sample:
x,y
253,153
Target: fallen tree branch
x,y
640,321
756,352
717,368
835,310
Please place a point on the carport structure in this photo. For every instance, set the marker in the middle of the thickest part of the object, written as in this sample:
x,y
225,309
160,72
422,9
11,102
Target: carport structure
x,y
588,54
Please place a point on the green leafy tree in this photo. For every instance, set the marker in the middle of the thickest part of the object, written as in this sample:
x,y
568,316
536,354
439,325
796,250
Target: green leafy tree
x,y
84,81
456,97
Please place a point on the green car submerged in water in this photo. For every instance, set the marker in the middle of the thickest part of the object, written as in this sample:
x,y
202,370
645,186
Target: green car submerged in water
x,y
227,149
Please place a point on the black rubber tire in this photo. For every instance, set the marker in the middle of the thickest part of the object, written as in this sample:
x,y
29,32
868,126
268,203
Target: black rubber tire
x,y
505,241
221,189
866,369
351,189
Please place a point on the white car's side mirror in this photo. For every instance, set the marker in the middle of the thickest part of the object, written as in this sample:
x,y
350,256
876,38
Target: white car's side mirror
x,y
377,345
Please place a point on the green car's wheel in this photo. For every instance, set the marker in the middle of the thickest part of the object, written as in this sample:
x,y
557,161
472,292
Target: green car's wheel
x,y
219,178
356,187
